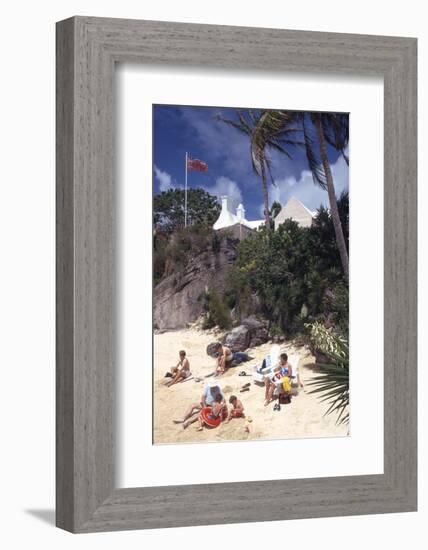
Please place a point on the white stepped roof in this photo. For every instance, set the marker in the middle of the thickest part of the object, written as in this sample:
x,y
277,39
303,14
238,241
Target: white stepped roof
x,y
255,224
227,218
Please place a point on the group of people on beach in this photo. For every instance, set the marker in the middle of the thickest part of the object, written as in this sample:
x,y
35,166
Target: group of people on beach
x,y
212,407
224,359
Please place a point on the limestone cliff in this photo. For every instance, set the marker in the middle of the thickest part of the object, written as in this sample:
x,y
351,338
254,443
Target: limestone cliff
x,y
178,299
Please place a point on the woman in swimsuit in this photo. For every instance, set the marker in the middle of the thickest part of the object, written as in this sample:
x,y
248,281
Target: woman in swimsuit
x,y
284,369
224,358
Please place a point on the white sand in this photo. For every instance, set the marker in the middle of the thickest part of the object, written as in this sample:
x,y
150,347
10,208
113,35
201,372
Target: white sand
x,y
304,417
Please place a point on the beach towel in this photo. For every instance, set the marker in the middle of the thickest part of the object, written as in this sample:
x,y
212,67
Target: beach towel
x,y
286,384
239,357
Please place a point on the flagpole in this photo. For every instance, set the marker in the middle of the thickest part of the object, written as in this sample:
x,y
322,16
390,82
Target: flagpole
x,y
185,195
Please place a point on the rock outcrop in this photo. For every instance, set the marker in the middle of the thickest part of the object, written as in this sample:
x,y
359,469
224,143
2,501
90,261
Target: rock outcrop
x,y
178,299
250,333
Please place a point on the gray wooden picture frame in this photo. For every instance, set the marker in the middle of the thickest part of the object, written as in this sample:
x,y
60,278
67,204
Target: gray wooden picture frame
x,y
87,50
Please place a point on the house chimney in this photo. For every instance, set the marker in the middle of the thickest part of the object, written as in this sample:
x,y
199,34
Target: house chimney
x,y
240,212
224,203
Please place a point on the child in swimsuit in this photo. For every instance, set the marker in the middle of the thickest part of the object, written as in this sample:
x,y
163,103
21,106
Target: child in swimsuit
x,y
237,409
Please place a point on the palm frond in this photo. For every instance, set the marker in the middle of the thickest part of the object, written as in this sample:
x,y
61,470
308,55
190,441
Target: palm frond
x,y
241,127
312,151
332,382
336,130
274,130
332,386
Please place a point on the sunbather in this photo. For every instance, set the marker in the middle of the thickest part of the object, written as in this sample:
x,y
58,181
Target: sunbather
x,y
207,399
181,370
237,408
226,359
275,379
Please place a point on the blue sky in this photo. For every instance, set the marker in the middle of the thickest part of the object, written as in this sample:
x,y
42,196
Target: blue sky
x,y
177,129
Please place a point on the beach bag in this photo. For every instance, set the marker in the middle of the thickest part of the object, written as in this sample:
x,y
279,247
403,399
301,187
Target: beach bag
x,y
286,384
284,399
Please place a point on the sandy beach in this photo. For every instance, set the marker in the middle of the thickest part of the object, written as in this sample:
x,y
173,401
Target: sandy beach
x,y
303,417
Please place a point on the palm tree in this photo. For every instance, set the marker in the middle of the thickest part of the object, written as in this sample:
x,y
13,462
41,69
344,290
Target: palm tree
x,y
266,131
332,129
318,130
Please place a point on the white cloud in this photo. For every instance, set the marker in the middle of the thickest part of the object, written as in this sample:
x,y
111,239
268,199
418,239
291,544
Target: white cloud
x,y
226,186
164,179
304,189
222,142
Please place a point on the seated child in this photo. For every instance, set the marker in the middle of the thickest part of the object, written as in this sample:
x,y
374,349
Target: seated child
x,y
237,409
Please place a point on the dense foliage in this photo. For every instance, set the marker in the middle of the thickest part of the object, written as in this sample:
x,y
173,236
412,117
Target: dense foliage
x,y
203,209
295,273
332,383
172,251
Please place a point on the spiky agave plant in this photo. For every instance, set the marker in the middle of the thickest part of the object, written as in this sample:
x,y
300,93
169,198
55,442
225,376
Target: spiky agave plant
x,y
332,383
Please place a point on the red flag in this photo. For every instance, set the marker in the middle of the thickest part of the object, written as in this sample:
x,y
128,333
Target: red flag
x,y
197,165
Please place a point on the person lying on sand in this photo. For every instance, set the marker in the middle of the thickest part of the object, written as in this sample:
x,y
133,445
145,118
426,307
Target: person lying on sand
x,y
211,391
237,408
275,380
211,416
181,370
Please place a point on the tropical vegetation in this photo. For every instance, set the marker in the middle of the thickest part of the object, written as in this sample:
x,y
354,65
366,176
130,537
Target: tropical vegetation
x,y
315,131
168,209
332,381
295,273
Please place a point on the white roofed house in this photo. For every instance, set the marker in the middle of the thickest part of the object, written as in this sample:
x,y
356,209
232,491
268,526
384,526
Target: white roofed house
x,y
228,219
296,211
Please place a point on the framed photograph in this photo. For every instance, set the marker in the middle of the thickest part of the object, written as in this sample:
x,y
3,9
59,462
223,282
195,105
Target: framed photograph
x,y
236,274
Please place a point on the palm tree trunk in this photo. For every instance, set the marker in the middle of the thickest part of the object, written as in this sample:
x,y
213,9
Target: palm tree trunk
x,y
265,194
340,239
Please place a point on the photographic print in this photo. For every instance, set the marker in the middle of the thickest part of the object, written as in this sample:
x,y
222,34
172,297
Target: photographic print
x,y
250,274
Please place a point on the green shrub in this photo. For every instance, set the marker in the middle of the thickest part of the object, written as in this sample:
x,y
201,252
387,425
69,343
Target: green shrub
x,y
173,251
216,312
324,340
